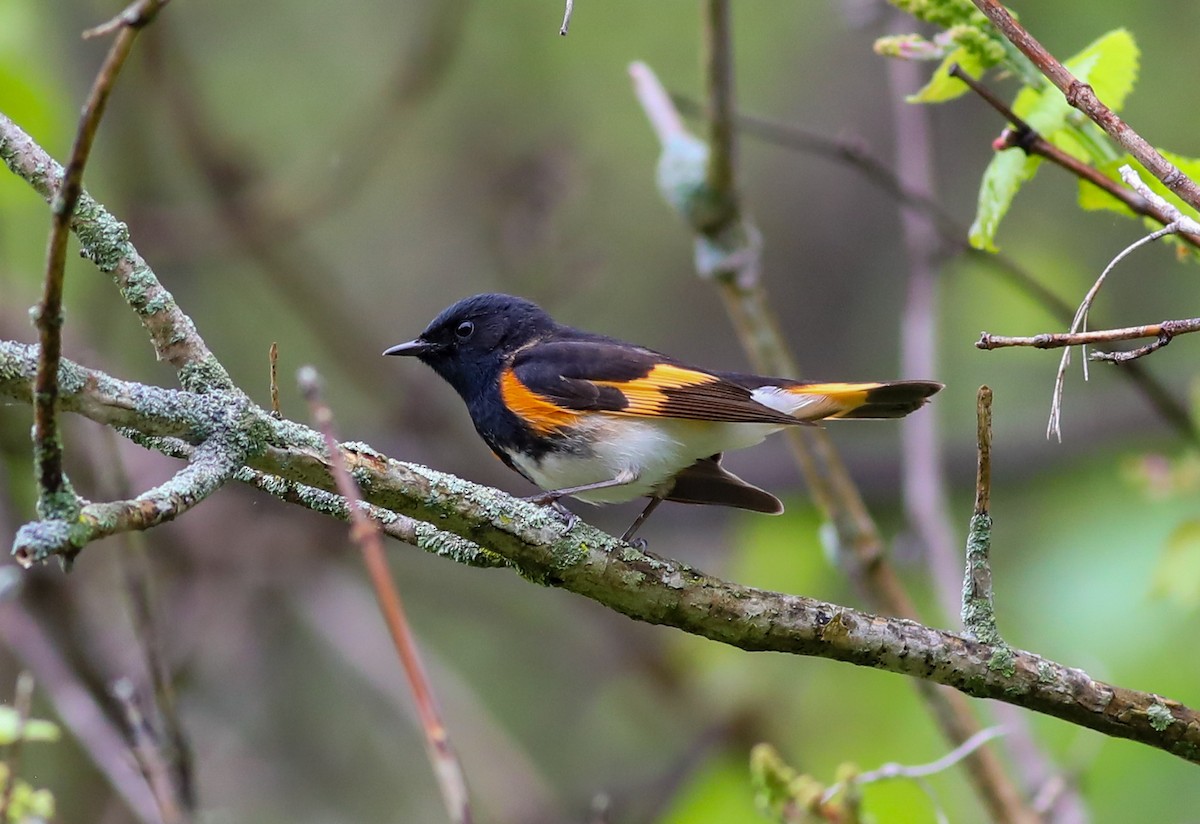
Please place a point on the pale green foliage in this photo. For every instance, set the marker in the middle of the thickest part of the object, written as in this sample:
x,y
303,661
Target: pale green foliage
x,y
1110,65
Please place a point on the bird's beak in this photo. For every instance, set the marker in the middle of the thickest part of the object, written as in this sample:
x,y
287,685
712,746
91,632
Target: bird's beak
x,y
415,348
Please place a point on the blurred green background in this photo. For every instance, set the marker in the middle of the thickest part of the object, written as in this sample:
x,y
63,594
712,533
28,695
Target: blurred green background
x,y
330,176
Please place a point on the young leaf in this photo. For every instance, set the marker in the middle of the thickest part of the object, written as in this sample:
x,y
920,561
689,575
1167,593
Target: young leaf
x,y
941,86
1001,181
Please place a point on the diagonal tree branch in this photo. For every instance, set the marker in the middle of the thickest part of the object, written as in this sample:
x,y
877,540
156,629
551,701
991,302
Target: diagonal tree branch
x,y
105,241
641,585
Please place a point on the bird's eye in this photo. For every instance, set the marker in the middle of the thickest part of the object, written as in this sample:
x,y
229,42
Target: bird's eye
x,y
465,330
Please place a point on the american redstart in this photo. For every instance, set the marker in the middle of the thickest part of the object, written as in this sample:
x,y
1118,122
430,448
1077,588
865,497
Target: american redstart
x,y
604,421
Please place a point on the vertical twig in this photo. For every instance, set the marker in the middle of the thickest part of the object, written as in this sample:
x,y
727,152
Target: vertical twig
x,y
978,609
55,491
273,357
365,533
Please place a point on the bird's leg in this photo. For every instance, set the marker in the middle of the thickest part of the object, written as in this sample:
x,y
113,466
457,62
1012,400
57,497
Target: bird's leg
x,y
640,543
625,476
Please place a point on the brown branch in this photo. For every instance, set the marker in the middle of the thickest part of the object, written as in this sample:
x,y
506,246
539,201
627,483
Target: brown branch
x,y
1057,340
55,492
1081,96
1025,137
446,766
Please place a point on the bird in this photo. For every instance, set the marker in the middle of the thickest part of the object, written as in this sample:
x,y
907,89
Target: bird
x,y
590,417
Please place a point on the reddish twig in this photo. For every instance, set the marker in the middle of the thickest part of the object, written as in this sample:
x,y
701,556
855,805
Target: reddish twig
x,y
1081,96
48,317
365,533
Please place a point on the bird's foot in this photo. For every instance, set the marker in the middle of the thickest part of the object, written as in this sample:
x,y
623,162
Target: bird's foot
x,y
551,501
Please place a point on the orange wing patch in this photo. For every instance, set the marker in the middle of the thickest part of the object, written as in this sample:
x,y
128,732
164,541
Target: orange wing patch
x,y
543,416
646,395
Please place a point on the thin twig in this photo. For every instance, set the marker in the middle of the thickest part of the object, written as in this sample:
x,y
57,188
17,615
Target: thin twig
x,y
135,568
923,481
55,491
1081,96
76,707
566,23
917,771
1057,340
1079,323
446,766
273,359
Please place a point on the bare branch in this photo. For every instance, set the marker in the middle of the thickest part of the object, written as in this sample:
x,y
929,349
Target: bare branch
x,y
105,241
365,533
1057,340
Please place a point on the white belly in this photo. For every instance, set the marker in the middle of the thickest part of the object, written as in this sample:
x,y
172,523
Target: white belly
x,y
655,450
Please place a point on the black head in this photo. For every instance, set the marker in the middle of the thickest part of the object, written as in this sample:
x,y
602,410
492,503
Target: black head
x,y
467,343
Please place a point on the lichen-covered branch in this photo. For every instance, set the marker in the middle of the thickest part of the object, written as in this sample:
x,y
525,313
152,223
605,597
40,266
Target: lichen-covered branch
x,y
105,241
583,560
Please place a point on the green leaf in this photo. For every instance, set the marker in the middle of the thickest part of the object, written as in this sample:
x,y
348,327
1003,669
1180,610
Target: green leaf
x,y
1177,576
1110,65
1002,180
941,86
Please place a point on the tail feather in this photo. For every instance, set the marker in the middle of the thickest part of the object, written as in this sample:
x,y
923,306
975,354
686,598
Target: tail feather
x,y
811,401
892,400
